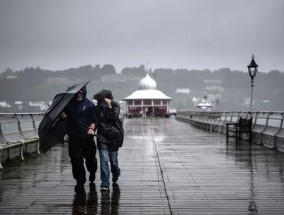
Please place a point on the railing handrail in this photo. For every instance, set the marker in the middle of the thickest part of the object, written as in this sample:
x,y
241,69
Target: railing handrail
x,y
267,126
265,116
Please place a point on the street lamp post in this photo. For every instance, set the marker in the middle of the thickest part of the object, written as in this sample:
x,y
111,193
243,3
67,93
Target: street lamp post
x,y
252,68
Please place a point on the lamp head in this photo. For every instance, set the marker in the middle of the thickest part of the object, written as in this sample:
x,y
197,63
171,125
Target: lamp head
x,y
252,67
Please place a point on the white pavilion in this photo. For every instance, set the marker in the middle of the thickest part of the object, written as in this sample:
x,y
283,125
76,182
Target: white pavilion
x,y
147,101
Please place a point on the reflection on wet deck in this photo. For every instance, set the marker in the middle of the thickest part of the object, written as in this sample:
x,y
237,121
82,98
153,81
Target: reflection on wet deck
x,y
168,167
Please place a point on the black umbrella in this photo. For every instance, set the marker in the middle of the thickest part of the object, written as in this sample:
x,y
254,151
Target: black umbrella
x,y
52,128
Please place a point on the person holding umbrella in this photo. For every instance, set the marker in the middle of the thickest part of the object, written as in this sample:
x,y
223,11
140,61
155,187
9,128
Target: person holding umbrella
x,y
80,114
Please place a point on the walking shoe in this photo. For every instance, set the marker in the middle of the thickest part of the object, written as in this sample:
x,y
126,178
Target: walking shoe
x,y
104,189
79,188
114,179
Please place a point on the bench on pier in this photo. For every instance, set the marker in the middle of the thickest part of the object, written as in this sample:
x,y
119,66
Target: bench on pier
x,y
243,126
260,123
211,118
232,119
184,117
16,132
28,125
230,129
213,125
279,136
195,119
268,135
200,120
222,122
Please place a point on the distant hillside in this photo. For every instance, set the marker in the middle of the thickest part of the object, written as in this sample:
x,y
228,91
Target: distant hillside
x,y
224,88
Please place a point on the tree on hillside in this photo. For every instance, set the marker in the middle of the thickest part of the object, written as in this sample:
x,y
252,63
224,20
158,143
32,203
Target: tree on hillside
x,y
108,69
139,71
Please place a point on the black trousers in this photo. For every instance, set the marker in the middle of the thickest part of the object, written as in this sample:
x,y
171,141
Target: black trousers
x,y
80,149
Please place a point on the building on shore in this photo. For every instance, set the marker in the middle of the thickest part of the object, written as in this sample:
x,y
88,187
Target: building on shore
x,y
147,100
205,106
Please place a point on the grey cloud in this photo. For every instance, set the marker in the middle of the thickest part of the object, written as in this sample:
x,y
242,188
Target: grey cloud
x,y
179,34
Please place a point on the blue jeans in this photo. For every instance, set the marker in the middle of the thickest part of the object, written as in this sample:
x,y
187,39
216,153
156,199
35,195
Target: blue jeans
x,y
105,157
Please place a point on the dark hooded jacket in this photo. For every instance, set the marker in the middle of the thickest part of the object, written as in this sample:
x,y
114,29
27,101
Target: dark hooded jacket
x,y
109,135
80,114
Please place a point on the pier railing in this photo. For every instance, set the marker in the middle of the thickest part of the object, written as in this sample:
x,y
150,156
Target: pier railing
x,y
18,134
267,126
18,131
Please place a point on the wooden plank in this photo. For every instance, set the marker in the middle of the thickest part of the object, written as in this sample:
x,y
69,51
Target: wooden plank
x,y
167,167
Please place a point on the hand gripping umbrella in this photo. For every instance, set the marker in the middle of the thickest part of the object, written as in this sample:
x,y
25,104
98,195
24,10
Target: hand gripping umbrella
x,y
52,128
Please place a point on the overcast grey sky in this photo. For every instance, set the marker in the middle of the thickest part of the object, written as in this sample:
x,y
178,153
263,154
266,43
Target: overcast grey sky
x,y
191,34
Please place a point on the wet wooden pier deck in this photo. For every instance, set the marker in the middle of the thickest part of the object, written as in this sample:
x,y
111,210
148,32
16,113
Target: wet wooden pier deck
x,y
168,167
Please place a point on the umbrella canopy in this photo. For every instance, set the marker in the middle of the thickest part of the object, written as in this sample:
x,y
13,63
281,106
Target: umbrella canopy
x,y
52,128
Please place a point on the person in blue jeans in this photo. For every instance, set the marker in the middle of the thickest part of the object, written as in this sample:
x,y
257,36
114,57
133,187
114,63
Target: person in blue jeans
x,y
108,137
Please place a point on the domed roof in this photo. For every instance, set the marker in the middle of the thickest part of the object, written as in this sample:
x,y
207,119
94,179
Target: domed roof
x,y
147,94
147,83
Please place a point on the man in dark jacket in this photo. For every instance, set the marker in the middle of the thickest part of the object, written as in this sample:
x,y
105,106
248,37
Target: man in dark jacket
x,y
109,136
81,122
